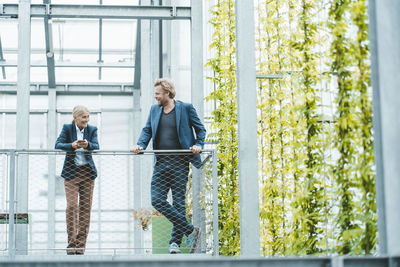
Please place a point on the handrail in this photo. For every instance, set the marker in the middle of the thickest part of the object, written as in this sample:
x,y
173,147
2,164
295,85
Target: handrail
x,y
38,151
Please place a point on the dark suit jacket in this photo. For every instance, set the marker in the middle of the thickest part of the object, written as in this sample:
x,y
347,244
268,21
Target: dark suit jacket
x,y
64,141
187,120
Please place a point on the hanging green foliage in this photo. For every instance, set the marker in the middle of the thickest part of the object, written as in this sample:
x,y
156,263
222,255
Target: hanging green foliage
x,y
297,138
225,122
312,200
317,190
272,210
364,138
343,170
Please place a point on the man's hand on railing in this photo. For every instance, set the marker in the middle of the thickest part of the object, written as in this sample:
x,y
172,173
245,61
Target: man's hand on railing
x,y
136,149
195,149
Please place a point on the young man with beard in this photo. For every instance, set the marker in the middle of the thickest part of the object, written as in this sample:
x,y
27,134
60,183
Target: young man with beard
x,y
170,125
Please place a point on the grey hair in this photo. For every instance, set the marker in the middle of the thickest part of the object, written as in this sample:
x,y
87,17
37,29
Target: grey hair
x,y
79,110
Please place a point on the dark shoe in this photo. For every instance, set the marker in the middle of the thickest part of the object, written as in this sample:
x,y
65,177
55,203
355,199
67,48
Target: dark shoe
x,y
79,252
71,251
192,240
174,248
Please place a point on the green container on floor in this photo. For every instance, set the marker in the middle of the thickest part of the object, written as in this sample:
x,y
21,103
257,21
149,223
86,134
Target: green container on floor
x,y
161,234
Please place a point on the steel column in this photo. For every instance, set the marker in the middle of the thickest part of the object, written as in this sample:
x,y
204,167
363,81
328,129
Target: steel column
x,y
146,98
377,121
51,191
51,133
11,208
23,96
247,132
168,34
197,96
137,184
48,31
385,40
175,51
215,202
100,60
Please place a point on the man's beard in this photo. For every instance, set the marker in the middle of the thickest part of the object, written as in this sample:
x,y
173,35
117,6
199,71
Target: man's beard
x,y
162,103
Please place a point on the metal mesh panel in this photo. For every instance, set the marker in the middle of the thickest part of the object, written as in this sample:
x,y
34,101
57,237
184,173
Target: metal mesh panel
x,y
132,205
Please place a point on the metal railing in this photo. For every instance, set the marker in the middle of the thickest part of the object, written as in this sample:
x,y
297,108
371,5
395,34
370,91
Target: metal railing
x,y
122,221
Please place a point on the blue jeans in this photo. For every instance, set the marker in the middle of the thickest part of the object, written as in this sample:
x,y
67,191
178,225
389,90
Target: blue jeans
x,y
172,175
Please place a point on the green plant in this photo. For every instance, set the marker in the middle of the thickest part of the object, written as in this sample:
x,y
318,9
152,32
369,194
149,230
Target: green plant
x,y
225,123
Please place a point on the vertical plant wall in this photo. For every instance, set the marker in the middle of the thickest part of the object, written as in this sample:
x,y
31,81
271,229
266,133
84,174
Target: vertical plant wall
x,y
316,175
225,124
364,138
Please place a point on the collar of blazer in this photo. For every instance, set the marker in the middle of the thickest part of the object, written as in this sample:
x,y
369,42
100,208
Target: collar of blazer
x,y
85,132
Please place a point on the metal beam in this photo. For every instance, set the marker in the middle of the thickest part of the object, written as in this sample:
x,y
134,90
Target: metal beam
x,y
269,76
11,88
48,32
102,11
200,261
79,51
67,111
66,64
247,130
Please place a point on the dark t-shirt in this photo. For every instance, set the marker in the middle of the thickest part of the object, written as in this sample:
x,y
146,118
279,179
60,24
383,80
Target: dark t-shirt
x,y
167,135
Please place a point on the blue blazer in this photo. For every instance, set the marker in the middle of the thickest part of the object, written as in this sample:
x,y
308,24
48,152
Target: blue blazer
x,y
187,120
64,141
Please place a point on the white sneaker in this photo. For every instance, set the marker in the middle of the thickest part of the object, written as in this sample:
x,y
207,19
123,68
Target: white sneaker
x,y
174,248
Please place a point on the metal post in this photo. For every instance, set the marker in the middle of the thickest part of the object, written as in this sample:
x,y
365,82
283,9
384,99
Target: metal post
x,y
154,48
247,132
48,30
385,40
197,96
379,187
24,48
51,131
160,46
11,203
100,60
137,188
51,191
215,202
146,100
168,45
175,50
